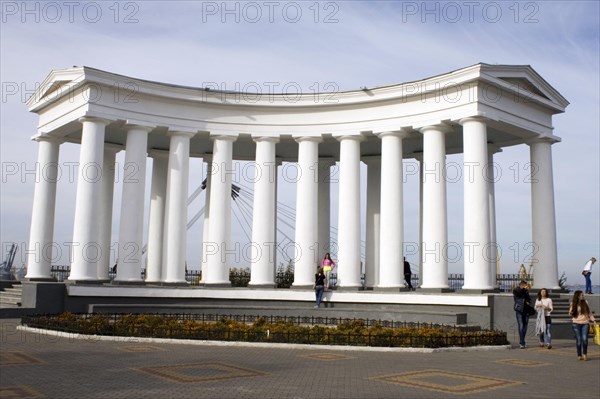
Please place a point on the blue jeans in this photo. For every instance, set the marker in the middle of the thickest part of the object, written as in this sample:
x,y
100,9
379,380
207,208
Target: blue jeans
x,y
581,337
522,321
319,289
546,336
588,283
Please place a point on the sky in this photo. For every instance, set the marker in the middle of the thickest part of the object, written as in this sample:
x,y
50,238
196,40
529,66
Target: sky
x,y
327,46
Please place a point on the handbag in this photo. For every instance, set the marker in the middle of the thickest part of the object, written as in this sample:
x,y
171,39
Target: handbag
x,y
530,310
519,304
596,329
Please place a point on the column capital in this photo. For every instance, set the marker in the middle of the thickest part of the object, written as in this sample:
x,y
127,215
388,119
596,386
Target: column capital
x,y
354,137
224,137
474,118
402,133
314,139
180,133
130,126
268,139
95,119
542,139
51,139
438,128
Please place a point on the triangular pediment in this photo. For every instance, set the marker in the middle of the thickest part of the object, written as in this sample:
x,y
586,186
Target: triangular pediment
x,y
524,79
525,84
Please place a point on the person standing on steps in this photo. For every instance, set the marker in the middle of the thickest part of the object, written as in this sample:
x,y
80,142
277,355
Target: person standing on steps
x,y
407,274
587,273
319,286
328,265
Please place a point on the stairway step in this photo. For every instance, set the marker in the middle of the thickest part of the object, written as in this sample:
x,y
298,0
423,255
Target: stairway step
x,y
14,301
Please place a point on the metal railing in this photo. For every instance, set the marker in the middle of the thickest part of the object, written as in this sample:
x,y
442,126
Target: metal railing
x,y
284,279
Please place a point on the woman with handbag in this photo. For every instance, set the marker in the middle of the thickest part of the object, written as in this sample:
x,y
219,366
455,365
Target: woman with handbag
x,y
522,309
581,319
544,307
327,264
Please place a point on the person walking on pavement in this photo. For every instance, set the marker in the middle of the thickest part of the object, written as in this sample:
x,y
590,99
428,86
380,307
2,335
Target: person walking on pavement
x,y
544,307
582,316
522,303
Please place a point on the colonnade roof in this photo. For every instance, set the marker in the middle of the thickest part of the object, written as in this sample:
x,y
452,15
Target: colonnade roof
x,y
517,103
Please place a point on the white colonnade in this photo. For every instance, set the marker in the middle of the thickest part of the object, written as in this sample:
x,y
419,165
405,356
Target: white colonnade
x,y
380,127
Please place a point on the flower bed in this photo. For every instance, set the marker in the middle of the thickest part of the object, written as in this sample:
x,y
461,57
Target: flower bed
x,y
351,332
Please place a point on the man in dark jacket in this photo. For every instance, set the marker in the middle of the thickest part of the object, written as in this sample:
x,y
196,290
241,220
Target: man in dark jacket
x,y
521,307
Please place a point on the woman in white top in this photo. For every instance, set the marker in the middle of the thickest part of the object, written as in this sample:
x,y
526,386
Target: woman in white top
x,y
543,305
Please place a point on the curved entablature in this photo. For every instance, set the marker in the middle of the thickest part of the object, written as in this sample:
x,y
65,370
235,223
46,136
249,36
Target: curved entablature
x,y
515,100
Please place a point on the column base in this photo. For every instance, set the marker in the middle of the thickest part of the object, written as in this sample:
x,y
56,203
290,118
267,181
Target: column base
x,y
84,282
435,290
39,279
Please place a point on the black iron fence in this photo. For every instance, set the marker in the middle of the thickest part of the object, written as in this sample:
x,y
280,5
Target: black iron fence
x,y
334,331
284,279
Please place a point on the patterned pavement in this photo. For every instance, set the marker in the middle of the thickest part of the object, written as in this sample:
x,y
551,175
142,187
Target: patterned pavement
x,y
37,365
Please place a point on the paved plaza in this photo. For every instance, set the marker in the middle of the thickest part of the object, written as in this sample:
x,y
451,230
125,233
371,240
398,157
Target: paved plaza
x,y
34,365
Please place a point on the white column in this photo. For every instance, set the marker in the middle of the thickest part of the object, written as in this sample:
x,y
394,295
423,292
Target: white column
x,y
175,233
349,213
372,255
476,248
545,262
491,178
206,225
391,270
324,207
420,159
88,203
131,226
262,267
108,188
156,219
307,199
435,219
220,212
44,203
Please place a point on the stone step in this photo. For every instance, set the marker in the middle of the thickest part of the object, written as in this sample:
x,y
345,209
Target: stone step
x,y
11,296
11,300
